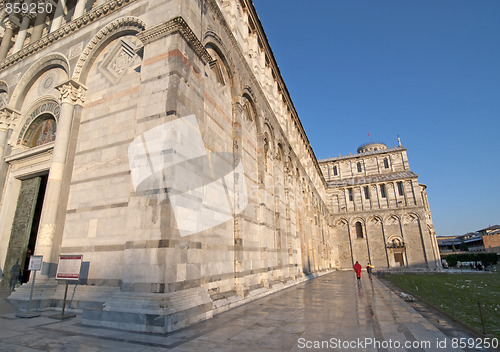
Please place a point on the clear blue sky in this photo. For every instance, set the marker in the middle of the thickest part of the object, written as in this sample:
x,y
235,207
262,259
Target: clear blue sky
x,y
426,70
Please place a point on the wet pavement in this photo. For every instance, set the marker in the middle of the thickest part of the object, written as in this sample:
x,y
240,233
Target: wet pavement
x,y
330,313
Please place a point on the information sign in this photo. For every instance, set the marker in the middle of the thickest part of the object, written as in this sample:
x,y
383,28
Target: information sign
x,y
69,267
35,263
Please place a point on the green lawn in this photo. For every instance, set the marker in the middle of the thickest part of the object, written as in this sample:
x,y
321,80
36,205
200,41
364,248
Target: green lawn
x,y
465,289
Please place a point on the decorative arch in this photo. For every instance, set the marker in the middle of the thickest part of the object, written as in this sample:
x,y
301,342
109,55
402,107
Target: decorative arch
x,y
267,127
117,28
374,220
250,136
249,108
280,154
55,60
430,228
411,218
219,67
358,219
213,40
392,219
395,241
4,86
289,166
342,222
44,108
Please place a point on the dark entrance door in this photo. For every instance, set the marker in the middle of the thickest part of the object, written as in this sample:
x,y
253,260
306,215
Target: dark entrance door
x,y
24,228
398,258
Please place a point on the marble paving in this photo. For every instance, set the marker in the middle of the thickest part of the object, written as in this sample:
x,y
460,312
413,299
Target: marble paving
x,y
329,313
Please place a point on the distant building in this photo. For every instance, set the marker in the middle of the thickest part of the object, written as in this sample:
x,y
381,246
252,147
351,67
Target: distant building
x,y
470,242
483,241
491,239
380,211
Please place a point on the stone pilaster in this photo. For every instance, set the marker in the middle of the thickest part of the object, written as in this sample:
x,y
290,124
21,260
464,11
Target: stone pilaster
x,y
8,119
239,268
72,94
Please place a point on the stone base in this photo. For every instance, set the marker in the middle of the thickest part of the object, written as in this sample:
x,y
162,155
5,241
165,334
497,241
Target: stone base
x,y
138,311
151,312
49,295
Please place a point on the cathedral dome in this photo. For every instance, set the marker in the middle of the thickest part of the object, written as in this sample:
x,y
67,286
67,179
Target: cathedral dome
x,y
371,147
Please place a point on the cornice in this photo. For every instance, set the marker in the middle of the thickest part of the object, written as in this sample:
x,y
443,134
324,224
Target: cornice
x,y
69,28
176,24
361,155
369,179
34,152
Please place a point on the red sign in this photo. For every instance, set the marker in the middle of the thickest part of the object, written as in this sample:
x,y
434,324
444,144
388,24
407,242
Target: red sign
x,y
69,267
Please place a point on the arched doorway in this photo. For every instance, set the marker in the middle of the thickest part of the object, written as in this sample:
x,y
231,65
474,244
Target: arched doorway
x,y
36,138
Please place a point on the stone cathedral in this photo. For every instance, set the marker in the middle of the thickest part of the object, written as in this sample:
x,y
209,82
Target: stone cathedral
x,y
157,139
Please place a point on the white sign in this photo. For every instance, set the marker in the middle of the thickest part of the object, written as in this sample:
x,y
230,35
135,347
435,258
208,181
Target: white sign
x,y
35,263
69,267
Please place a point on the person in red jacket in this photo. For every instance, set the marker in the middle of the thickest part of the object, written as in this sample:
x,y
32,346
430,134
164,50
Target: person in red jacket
x,y
357,269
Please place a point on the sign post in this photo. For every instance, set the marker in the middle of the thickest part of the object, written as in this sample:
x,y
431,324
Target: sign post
x,y
68,269
35,265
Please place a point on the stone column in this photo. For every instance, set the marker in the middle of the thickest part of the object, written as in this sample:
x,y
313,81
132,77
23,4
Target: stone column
x,y
7,37
58,16
23,30
72,93
7,121
79,9
38,27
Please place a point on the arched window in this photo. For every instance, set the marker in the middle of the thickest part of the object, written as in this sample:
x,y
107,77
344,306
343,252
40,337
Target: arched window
x,y
218,65
400,188
359,230
367,193
4,97
382,191
386,163
359,167
335,172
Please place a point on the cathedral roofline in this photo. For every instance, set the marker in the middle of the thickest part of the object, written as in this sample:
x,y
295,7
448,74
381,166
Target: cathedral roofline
x,y
357,155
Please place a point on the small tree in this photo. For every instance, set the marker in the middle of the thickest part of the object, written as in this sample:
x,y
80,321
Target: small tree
x,y
464,247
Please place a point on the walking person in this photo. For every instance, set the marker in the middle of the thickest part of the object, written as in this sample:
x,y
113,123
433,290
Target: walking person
x,y
14,275
357,269
369,269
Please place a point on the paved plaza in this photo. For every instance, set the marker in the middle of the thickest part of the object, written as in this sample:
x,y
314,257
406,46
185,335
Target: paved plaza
x,y
329,313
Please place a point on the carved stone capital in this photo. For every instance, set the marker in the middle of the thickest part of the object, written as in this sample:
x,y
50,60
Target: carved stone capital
x,y
72,92
237,108
8,118
10,24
